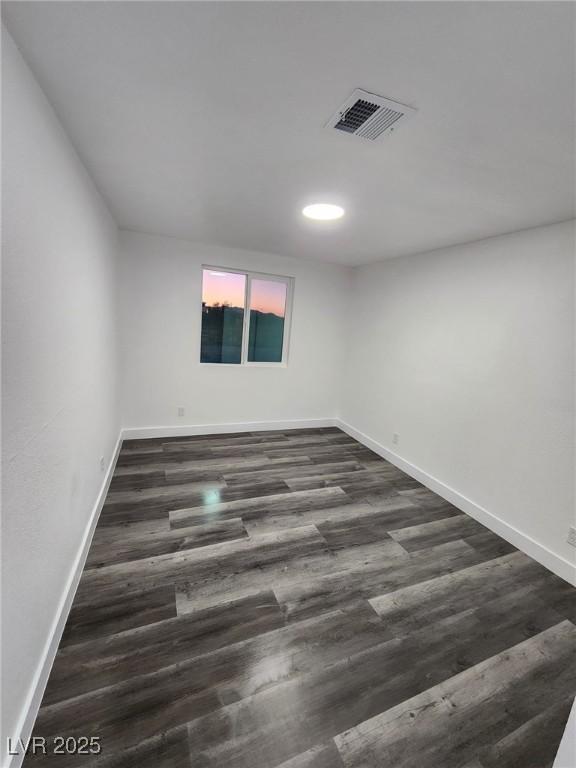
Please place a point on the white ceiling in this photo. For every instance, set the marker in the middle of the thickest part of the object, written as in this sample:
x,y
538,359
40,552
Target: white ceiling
x,y
205,120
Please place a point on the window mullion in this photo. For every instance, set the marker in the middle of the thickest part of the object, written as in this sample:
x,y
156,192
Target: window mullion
x,y
246,325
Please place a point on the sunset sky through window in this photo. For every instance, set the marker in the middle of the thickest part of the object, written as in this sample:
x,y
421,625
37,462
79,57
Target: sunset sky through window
x,y
229,288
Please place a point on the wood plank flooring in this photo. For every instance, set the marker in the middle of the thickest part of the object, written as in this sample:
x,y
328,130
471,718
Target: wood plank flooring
x,y
291,600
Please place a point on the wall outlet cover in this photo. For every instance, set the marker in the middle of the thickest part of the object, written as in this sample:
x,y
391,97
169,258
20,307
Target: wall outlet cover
x,y
181,411
572,535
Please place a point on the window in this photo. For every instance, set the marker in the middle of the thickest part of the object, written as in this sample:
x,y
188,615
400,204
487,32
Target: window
x,y
245,317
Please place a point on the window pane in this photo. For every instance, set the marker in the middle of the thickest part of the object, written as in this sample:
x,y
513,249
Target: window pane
x,y
222,316
267,312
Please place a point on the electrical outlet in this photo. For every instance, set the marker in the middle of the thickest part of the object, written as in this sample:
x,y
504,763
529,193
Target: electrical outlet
x,y
395,438
180,411
572,535
102,464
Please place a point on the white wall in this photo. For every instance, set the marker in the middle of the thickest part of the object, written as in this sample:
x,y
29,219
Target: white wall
x,y
59,379
566,755
467,353
160,314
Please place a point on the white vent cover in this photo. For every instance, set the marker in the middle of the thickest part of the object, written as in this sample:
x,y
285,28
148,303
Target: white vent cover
x,y
369,116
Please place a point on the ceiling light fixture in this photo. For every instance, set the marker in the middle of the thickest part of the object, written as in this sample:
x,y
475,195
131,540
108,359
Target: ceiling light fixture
x,y
323,212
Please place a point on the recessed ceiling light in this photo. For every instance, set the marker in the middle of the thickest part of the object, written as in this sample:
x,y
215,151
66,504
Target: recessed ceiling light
x,y
323,211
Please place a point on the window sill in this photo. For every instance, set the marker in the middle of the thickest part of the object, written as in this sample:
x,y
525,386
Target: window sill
x,y
243,365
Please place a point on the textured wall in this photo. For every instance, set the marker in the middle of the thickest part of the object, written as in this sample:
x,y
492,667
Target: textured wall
x,y
467,353
59,370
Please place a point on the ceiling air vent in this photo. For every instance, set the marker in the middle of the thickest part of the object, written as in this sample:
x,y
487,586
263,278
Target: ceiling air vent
x,y
369,116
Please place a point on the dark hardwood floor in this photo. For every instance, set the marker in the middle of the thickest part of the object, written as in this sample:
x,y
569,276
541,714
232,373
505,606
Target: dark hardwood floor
x,y
291,599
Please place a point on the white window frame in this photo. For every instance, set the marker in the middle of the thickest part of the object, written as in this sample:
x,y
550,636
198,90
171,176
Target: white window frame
x,y
250,275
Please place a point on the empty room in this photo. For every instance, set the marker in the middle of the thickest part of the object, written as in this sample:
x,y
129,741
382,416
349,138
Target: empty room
x,y
288,384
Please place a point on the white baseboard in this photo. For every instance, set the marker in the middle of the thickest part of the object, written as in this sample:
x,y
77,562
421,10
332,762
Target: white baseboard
x,y
36,691
189,430
554,562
